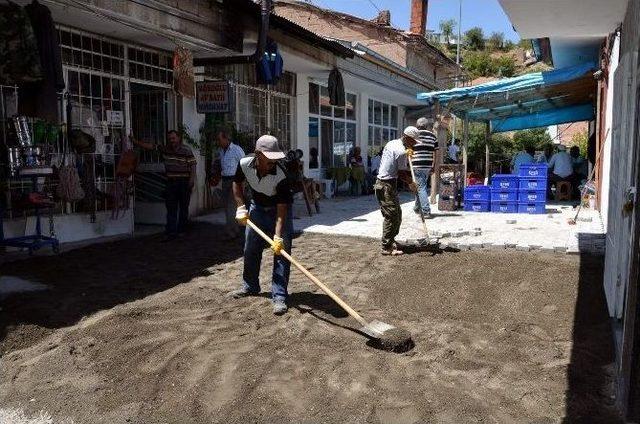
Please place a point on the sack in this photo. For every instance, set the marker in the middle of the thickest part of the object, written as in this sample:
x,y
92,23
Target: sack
x,y
127,164
81,142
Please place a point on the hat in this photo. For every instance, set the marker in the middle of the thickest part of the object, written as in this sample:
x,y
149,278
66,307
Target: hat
x,y
562,147
412,132
268,146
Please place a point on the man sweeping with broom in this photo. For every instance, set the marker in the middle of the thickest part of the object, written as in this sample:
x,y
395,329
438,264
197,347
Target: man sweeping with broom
x,y
394,166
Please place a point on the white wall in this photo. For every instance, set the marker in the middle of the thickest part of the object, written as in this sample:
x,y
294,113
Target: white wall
x,y
606,151
73,227
193,120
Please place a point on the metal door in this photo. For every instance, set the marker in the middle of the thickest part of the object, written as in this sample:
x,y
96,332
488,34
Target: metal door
x,y
624,154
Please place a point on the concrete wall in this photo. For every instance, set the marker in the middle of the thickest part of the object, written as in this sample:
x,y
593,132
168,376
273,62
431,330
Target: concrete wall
x,y
73,227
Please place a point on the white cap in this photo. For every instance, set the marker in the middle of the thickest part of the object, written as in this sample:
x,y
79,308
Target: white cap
x,y
412,132
268,145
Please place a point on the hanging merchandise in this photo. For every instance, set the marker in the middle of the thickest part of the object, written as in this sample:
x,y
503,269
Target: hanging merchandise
x,y
270,67
19,60
336,88
40,99
69,184
183,76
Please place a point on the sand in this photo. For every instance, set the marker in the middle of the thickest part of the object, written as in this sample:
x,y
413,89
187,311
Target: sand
x,y
142,332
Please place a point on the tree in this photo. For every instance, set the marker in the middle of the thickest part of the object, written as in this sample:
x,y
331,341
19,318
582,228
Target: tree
x,y
505,66
446,28
479,64
581,139
525,44
534,137
474,39
496,41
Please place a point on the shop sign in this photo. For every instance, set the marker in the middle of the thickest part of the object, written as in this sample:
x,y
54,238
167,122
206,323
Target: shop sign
x,y
212,96
115,118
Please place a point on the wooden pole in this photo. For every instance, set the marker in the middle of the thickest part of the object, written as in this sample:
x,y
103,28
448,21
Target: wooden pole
x,y
465,148
487,160
438,158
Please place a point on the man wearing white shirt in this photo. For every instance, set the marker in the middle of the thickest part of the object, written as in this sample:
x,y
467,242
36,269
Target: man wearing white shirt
x,y
224,170
561,167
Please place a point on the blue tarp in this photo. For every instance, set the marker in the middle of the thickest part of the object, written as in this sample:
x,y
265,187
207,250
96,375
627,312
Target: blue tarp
x,y
544,119
470,101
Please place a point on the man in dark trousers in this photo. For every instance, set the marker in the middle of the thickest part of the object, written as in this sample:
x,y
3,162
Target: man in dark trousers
x,y
423,157
394,166
180,169
270,210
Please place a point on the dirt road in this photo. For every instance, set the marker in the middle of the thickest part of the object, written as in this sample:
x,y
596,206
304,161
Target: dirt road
x,y
141,332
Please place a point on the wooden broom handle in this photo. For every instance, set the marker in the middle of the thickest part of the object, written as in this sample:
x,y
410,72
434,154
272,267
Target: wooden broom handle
x,y
413,178
311,277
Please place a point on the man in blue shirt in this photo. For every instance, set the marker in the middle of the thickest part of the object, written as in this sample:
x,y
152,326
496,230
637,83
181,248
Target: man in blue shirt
x,y
522,158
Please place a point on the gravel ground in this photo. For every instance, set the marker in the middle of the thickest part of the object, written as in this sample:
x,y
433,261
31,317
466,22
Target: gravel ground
x,y
139,331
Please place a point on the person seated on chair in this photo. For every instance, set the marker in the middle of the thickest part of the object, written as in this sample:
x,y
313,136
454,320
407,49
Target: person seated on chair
x,y
522,158
560,167
270,210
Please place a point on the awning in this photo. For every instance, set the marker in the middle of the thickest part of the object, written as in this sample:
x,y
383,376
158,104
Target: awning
x,y
528,101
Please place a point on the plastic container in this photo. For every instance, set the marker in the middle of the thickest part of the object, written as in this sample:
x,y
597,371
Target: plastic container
x,y
478,192
477,205
538,170
504,181
510,195
533,183
532,208
529,196
504,207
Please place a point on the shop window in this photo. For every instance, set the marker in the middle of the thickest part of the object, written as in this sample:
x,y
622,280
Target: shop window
x,y
90,52
383,123
338,128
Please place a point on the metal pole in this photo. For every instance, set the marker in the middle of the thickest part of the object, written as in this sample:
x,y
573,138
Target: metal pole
x,y
453,132
465,149
487,135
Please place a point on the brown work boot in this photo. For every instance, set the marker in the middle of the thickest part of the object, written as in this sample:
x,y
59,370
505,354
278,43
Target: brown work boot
x,y
392,251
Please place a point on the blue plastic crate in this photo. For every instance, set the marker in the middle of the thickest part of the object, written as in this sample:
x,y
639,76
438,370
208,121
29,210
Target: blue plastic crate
x,y
533,183
509,195
504,181
477,205
538,170
477,192
529,196
532,208
504,207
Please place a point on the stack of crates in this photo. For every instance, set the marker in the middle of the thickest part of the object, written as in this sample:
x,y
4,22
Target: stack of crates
x,y
504,193
477,198
508,193
532,188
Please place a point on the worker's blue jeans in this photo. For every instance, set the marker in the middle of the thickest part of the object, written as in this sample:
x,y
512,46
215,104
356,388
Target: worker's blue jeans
x,y
422,196
265,219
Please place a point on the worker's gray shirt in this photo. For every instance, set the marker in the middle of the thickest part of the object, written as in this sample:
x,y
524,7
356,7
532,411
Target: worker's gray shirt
x,y
394,159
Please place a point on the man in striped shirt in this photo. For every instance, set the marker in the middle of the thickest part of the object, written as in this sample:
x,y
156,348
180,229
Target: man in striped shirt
x,y
180,169
423,157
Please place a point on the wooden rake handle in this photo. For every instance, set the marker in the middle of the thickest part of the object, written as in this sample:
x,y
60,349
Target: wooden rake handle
x,y
311,277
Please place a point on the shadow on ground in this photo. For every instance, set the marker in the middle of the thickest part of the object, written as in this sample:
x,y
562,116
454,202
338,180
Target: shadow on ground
x,y
591,371
110,274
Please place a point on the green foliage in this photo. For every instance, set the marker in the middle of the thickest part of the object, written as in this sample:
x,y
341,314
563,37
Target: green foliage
x,y
581,139
474,39
496,41
534,137
481,64
446,28
525,44
478,64
505,66
509,45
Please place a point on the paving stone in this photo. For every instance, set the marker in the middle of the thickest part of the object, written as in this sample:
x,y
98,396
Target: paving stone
x,y
512,221
547,250
476,246
560,249
523,248
463,246
497,246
